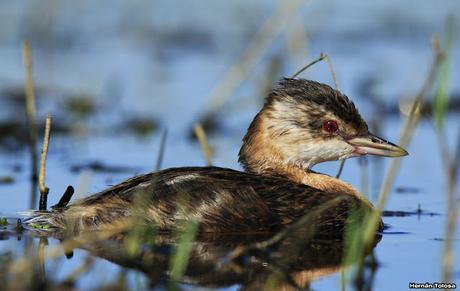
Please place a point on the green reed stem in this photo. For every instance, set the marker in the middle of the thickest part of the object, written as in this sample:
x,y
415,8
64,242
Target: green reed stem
x,y
449,161
406,136
180,258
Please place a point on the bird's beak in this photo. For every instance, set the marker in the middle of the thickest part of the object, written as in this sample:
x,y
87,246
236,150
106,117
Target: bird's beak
x,y
374,145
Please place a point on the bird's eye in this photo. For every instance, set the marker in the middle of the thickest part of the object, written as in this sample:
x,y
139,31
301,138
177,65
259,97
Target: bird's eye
x,y
330,126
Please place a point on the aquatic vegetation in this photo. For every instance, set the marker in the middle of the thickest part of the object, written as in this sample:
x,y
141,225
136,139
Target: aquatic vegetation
x,y
6,180
80,106
141,126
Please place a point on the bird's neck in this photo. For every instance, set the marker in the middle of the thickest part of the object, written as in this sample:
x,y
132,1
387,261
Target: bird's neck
x,y
267,163
317,180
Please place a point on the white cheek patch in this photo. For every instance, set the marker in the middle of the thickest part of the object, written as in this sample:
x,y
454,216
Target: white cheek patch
x,y
295,143
310,154
283,110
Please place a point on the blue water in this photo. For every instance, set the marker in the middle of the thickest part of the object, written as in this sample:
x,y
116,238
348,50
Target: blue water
x,y
161,59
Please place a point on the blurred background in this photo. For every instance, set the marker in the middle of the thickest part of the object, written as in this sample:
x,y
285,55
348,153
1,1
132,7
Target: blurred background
x,y
116,74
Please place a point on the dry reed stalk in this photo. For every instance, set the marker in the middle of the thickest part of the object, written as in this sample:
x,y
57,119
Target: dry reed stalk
x,y
252,55
406,136
31,117
44,153
321,57
451,168
334,75
297,41
450,161
205,148
336,84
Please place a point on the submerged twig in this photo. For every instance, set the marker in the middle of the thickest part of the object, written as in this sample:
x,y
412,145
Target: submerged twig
x,y
41,178
31,118
205,148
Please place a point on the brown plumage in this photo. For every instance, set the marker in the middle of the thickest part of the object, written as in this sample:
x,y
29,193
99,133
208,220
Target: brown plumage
x,y
302,123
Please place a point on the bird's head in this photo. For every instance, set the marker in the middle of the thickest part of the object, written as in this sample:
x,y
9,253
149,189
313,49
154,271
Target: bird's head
x,y
304,123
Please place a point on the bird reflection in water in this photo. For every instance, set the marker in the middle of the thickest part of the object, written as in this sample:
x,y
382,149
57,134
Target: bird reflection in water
x,y
253,262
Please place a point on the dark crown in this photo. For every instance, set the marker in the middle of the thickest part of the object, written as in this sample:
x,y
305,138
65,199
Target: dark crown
x,y
303,91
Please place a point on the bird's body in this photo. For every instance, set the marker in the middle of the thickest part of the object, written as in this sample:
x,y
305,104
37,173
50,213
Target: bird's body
x,y
302,123
222,200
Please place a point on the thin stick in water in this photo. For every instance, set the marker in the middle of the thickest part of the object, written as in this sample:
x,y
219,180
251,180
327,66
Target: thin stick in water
x,y
41,178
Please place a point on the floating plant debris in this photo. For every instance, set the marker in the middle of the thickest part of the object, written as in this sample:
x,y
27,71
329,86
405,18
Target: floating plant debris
x,y
407,190
13,133
141,126
6,180
98,166
80,105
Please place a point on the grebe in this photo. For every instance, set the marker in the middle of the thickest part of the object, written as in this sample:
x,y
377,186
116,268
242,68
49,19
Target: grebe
x,y
302,123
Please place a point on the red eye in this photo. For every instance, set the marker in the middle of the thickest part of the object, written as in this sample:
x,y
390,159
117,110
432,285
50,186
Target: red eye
x,y
330,126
